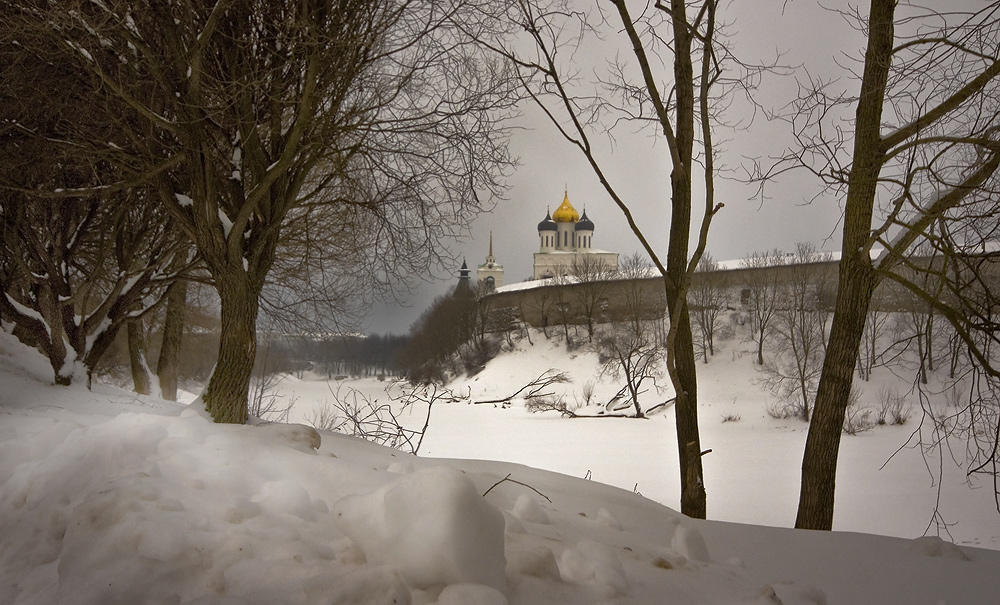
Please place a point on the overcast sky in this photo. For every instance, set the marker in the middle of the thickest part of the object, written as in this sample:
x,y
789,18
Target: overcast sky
x,y
637,163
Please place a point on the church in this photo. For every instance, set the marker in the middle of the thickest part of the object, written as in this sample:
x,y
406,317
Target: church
x,y
565,239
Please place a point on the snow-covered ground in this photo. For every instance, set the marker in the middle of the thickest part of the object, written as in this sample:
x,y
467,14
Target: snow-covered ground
x,y
107,497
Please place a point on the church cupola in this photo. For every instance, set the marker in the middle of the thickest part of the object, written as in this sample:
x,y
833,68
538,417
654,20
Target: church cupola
x,y
565,218
565,213
547,234
547,224
584,232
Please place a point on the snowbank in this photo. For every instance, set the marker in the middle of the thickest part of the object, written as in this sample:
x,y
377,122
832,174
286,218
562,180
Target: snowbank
x,y
106,497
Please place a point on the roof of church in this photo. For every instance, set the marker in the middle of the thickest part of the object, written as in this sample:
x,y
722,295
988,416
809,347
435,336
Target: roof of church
x,y
565,213
547,224
584,224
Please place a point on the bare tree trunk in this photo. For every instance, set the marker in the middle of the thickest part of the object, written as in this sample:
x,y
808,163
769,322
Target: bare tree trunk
x,y
693,498
226,395
56,349
856,283
170,345
819,463
137,356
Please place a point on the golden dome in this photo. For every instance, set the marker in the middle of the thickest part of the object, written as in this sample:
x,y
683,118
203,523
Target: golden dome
x,y
565,213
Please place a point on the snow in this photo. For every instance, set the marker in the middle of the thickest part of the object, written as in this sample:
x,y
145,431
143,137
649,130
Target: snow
x,y
431,526
110,497
183,200
83,51
29,312
237,160
227,223
98,331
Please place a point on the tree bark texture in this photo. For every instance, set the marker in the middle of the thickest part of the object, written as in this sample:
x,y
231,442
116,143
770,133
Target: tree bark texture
x,y
856,282
170,345
693,497
226,395
137,356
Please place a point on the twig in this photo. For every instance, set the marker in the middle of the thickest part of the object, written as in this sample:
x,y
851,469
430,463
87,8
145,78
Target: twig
x,y
507,478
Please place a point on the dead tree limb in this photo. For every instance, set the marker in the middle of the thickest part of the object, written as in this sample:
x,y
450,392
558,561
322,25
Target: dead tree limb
x,y
546,379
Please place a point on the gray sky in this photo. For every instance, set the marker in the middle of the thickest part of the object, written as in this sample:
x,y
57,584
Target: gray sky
x,y
638,167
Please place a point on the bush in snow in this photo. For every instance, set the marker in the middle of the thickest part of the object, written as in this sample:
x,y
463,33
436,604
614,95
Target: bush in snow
x,y
892,408
858,418
353,413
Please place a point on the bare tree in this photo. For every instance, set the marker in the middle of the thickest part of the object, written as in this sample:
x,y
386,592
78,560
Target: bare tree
x,y
561,304
78,271
708,297
921,149
640,302
171,338
632,355
591,289
448,324
800,328
872,350
141,374
677,103
760,286
542,300
80,258
250,118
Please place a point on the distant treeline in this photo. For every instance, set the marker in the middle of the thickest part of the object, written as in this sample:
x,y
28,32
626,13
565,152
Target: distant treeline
x,y
352,355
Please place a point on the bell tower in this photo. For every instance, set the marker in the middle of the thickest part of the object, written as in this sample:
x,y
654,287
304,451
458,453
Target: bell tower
x,y
490,273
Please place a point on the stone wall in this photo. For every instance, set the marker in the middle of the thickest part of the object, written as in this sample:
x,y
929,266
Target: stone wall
x,y
551,304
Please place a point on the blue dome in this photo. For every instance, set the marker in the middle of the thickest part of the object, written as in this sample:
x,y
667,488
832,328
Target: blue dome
x,y
584,224
548,224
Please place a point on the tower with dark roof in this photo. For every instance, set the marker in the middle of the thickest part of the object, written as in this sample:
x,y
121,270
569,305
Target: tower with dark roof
x,y
463,287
